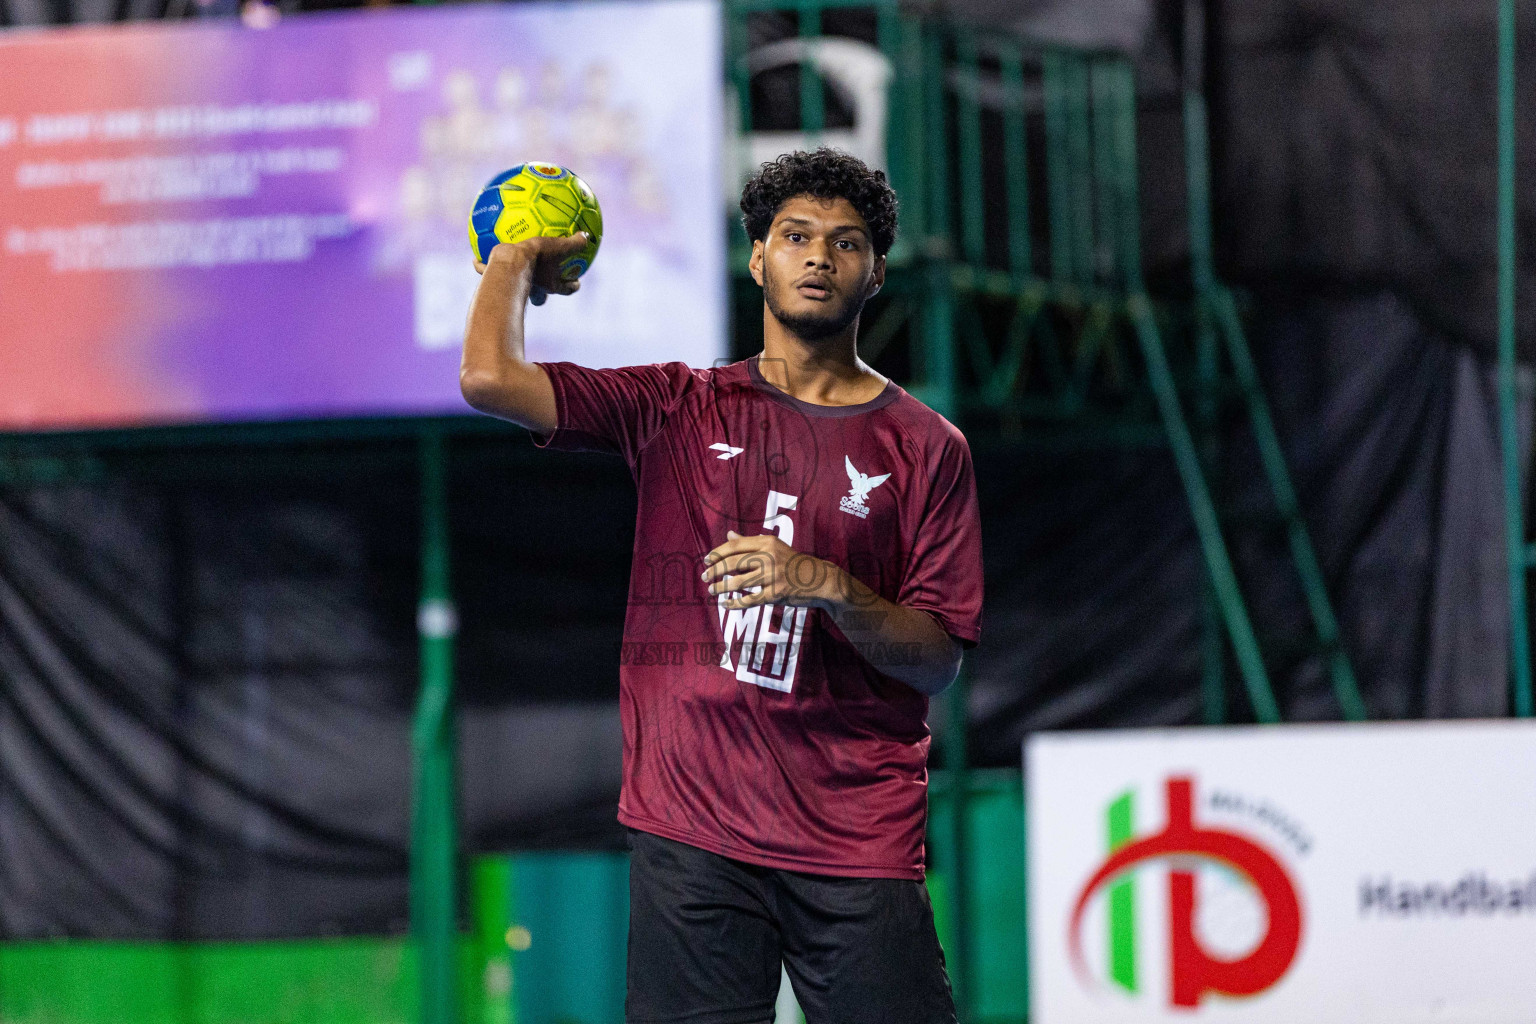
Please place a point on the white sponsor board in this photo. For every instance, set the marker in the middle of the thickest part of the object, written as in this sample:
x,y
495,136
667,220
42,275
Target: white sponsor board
x,y
1358,874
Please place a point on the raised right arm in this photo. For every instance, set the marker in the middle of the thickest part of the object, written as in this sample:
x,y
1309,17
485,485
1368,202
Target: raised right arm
x,y
493,376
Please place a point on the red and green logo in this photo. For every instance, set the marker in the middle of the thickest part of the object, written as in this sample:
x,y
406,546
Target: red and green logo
x,y
1184,847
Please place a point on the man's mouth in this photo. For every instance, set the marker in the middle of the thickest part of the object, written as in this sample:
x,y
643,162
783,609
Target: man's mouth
x,y
813,289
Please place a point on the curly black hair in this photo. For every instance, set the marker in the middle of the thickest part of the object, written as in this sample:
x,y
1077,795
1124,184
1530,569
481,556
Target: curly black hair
x,y
824,174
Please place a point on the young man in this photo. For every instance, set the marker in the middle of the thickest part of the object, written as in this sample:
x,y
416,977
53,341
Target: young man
x,y
807,569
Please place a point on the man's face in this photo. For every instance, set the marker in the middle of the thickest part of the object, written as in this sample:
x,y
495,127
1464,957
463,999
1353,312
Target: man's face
x,y
817,266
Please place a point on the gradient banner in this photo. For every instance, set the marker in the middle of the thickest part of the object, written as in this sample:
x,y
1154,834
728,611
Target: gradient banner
x,y
218,223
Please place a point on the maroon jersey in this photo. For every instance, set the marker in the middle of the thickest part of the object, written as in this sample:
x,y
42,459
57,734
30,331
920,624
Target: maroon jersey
x,y
763,734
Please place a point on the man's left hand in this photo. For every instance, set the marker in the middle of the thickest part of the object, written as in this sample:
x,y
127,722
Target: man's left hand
x,y
785,576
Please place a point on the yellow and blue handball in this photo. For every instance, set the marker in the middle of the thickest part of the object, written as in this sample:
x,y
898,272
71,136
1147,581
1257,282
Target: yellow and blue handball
x,y
536,199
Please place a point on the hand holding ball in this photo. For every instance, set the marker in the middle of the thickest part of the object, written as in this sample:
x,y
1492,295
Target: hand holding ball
x,y
535,200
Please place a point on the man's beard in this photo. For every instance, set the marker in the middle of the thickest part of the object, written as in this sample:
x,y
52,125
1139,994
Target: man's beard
x,y
811,326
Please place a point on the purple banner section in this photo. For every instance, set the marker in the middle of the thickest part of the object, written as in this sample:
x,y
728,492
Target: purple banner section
x,y
218,223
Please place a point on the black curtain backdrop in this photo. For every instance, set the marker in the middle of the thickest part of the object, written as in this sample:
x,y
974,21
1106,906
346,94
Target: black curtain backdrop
x,y
1094,575
209,671
1355,147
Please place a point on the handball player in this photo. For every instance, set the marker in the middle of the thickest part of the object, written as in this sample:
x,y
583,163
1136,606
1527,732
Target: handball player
x,y
806,573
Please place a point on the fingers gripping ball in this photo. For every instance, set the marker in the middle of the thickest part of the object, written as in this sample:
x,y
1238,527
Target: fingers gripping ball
x,y
536,199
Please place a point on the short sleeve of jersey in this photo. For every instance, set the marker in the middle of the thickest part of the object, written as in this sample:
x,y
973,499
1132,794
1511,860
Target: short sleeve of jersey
x,y
944,567
617,411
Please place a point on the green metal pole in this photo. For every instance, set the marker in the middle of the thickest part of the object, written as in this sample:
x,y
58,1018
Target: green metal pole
x,y
1208,371
888,36
1197,160
741,74
1213,659
1112,99
1214,302
937,339
938,389
1303,555
1058,174
1121,106
1016,163
1029,980
957,768
908,135
434,853
813,115
1207,356
973,216
936,132
1186,456
1080,191
1514,526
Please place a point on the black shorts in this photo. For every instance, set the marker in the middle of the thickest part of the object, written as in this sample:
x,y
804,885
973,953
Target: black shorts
x,y
707,935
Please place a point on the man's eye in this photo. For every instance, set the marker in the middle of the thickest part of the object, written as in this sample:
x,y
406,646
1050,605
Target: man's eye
x,y
846,244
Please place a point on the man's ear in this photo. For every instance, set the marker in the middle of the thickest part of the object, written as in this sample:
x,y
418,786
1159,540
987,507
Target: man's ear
x,y
876,279
755,264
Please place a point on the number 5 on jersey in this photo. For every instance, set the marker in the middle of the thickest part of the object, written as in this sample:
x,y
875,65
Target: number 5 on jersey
x,y
765,639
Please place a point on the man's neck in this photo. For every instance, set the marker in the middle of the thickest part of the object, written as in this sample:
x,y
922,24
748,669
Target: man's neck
x,y
824,372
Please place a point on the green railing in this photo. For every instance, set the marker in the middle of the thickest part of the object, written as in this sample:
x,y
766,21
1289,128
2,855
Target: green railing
x,y
1032,326
1520,555
434,803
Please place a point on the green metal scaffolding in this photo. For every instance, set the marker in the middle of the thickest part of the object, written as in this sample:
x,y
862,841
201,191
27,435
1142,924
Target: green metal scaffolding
x,y
1009,334
1063,356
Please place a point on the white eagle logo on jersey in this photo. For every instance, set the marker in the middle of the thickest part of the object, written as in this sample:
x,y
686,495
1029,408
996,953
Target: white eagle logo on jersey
x,y
863,483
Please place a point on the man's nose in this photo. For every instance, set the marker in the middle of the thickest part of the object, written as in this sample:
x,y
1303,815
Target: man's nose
x,y
818,255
